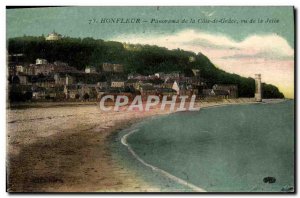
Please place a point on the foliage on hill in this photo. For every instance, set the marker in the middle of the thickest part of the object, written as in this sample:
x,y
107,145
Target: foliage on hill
x,y
143,59
270,91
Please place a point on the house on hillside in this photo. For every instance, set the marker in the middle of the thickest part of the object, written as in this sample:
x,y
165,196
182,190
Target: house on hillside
x,y
56,92
102,85
185,88
208,92
118,83
172,75
232,90
112,67
71,91
134,83
40,61
61,67
146,90
63,79
166,92
221,93
90,69
168,83
44,69
160,75
20,79
20,69
53,36
38,93
136,76
45,81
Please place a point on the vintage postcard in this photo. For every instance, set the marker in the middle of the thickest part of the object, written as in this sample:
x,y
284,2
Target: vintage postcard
x,y
150,99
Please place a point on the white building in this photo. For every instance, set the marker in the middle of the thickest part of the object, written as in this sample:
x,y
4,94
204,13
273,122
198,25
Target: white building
x,y
176,87
41,61
159,75
20,69
63,80
53,36
117,84
90,70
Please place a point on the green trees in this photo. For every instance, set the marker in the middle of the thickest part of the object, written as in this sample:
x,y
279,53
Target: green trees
x,y
143,59
270,91
86,96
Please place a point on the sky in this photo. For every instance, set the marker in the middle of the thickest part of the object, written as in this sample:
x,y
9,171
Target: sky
x,y
241,48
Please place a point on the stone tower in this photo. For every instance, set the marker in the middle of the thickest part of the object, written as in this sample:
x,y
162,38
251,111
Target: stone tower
x,y
258,94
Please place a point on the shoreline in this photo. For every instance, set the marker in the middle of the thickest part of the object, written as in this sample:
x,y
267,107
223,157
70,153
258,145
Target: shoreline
x,y
68,149
163,173
154,168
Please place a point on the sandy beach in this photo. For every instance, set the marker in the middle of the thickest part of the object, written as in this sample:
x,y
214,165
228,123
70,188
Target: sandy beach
x,y
67,148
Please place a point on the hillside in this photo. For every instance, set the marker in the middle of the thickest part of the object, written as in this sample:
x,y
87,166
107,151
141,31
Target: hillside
x,y
143,59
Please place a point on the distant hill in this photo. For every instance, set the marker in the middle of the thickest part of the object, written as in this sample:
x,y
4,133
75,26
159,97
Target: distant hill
x,y
143,59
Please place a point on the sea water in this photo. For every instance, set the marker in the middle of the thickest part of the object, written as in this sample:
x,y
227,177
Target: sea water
x,y
221,149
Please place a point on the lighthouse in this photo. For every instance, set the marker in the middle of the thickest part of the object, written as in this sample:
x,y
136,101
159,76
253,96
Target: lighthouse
x,y
258,95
